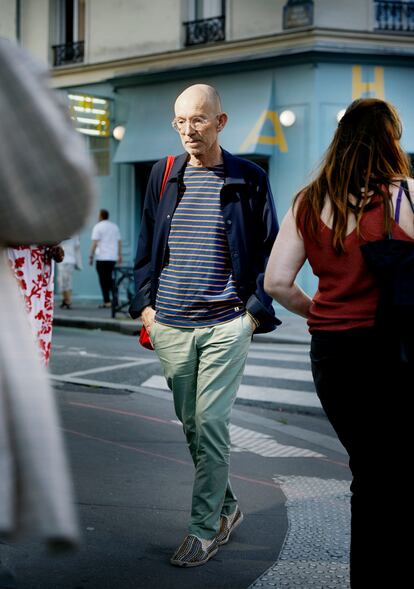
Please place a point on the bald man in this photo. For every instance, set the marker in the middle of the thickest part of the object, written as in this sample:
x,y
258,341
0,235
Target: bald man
x,y
199,270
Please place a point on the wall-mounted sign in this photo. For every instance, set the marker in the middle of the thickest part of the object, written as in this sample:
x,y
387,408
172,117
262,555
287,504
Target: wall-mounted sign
x,y
90,114
298,13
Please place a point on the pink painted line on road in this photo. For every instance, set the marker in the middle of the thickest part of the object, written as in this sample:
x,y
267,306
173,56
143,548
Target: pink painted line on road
x,y
120,411
155,455
167,422
126,447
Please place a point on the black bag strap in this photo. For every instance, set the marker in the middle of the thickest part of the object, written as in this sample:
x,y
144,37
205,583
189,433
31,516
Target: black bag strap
x,y
406,189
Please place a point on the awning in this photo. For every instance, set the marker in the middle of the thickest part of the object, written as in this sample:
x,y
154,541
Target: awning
x,y
247,98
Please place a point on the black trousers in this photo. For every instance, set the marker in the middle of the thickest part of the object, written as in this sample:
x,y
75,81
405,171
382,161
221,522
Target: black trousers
x,y
104,269
364,396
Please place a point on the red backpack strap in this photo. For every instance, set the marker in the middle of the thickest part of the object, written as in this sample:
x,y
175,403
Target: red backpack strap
x,y
169,165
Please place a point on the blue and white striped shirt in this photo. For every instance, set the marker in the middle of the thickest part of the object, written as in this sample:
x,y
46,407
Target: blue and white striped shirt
x,y
196,287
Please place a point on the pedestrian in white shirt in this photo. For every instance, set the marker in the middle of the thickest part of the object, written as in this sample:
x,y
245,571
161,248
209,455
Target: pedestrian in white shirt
x,y
107,248
72,261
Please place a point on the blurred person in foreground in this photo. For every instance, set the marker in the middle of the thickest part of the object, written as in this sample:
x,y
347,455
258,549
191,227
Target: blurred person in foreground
x,y
46,193
199,274
356,198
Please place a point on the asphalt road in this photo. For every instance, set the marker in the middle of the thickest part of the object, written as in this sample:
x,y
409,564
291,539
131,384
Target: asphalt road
x,y
133,479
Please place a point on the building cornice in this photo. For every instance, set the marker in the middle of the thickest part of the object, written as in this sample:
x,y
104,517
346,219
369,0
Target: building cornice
x,y
285,48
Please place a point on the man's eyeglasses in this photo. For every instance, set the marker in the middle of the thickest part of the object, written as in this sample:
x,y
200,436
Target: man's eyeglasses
x,y
196,123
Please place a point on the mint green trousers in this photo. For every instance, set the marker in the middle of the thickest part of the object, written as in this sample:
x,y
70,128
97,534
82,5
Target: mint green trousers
x,y
204,368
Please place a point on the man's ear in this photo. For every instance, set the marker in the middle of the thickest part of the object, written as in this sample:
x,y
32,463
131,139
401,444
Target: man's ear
x,y
222,121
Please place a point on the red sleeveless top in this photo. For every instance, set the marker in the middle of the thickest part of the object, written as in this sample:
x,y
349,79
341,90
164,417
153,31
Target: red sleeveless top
x,y
347,294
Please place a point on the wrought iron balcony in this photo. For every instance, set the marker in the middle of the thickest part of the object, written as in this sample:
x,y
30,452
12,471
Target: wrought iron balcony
x,y
394,16
68,53
206,30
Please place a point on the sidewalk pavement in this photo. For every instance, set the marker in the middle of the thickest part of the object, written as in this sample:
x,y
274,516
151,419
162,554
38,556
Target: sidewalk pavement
x,y
88,315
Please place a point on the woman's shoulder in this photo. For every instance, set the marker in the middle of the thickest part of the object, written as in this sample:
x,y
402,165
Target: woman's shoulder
x,y
298,202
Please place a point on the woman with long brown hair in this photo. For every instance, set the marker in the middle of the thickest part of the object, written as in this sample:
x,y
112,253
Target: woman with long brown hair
x,y
356,198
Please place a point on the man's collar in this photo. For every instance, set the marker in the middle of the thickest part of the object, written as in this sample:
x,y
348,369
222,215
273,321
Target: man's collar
x,y
232,169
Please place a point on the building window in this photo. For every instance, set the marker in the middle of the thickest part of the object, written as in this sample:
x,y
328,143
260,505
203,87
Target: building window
x,y
394,16
69,35
91,117
90,114
298,13
206,22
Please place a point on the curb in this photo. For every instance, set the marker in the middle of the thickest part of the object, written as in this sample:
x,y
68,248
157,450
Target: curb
x,y
125,327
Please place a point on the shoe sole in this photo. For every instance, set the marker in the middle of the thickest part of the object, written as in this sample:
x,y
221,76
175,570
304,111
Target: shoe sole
x,y
237,523
186,565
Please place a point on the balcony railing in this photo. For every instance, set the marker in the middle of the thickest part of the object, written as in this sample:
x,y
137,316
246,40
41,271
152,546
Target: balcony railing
x,y
68,53
206,30
394,16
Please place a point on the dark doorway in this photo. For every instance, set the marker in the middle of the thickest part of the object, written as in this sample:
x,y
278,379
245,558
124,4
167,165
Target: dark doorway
x,y
260,160
142,174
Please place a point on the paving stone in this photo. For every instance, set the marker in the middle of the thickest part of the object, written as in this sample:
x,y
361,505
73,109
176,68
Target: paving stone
x,y
316,550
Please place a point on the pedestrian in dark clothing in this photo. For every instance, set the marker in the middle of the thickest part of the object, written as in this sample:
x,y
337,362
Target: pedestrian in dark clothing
x,y
356,198
199,274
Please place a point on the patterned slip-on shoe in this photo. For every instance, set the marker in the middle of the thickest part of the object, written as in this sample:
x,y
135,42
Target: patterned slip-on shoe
x,y
194,552
227,524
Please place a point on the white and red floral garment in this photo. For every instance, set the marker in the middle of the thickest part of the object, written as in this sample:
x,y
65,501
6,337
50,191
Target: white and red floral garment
x,y
34,274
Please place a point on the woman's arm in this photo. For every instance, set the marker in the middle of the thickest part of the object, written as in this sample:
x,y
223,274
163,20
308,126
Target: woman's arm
x,y
287,258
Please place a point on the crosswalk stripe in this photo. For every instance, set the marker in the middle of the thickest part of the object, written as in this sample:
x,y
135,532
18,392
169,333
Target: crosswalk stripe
x,y
291,348
279,356
277,395
278,372
96,370
256,393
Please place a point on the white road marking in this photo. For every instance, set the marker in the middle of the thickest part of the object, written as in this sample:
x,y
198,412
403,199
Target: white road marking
x,y
108,368
278,372
264,445
282,356
84,354
293,348
257,393
315,438
247,440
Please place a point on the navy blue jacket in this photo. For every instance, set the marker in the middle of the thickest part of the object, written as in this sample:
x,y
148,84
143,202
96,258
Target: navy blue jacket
x,y
251,226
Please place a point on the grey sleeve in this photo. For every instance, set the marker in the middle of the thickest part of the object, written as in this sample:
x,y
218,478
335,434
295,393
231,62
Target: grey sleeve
x,y
46,178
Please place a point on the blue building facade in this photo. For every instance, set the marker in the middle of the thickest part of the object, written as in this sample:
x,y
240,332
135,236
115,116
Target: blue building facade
x,y
315,87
